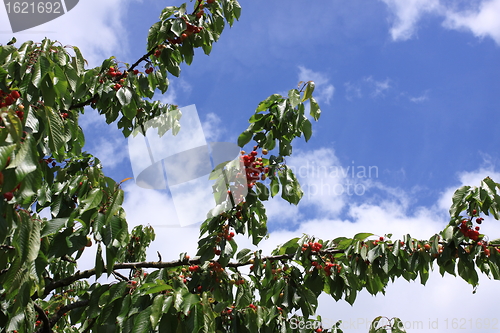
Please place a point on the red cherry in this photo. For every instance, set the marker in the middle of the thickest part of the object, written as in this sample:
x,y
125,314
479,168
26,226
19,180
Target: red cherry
x,y
9,100
8,196
15,94
20,115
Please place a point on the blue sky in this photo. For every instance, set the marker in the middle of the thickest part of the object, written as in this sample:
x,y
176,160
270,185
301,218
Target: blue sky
x,y
408,87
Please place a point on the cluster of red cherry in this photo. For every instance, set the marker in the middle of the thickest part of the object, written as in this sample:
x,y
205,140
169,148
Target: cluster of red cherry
x,y
315,247
113,72
467,229
7,99
254,167
20,112
190,29
228,235
328,268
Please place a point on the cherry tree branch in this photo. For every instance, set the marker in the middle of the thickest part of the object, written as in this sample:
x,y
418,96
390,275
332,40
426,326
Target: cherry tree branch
x,y
177,263
46,328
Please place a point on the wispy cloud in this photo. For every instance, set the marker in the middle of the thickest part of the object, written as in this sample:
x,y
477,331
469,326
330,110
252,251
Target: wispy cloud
x,y
419,99
479,17
212,127
483,21
367,85
352,91
377,87
96,27
405,15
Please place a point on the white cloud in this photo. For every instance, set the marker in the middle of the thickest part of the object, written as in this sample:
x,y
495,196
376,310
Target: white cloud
x,y
212,127
377,87
110,145
96,27
420,99
482,22
428,308
112,152
406,14
323,180
441,299
481,17
352,90
323,90
374,88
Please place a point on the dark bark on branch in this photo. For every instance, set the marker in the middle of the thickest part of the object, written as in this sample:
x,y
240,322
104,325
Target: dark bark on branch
x,y
154,264
46,328
62,311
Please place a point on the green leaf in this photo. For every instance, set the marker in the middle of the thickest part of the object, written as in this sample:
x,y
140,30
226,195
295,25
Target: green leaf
x,y
53,226
59,81
92,200
315,110
242,255
25,161
374,325
291,190
79,60
188,301
398,326
29,239
178,27
362,236
158,288
55,129
306,128
99,262
458,198
265,104
13,124
294,97
124,95
309,90
152,35
156,310
142,322
275,186
244,138
5,152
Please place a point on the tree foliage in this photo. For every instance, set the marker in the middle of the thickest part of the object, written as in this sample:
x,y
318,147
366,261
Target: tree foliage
x,y
46,86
